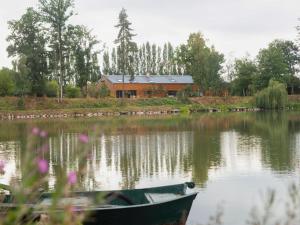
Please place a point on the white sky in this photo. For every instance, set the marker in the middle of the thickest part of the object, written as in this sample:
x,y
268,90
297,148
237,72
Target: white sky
x,y
235,27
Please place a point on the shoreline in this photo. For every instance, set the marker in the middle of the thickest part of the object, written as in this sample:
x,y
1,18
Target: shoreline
x,y
48,108
100,113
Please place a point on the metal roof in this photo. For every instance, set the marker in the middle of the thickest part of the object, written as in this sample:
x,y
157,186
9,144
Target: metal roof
x,y
153,79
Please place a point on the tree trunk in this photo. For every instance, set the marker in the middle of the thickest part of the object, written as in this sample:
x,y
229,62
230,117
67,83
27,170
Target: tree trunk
x,y
61,63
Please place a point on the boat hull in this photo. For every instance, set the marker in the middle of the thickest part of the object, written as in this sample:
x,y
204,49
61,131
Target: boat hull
x,y
173,212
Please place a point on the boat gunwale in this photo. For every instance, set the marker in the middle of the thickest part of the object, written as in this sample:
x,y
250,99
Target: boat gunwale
x,y
127,206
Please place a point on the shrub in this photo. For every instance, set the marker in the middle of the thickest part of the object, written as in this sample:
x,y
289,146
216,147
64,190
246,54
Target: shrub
x,y
273,97
7,85
72,92
104,91
21,103
93,90
52,88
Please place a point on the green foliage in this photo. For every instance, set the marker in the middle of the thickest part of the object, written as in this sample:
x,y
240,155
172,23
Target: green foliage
x,y
244,73
21,103
27,40
201,61
104,91
278,62
72,92
126,47
106,64
7,85
52,88
21,77
183,96
272,97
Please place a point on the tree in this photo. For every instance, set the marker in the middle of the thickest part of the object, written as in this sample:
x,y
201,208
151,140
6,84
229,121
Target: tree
x,y
160,67
148,58
57,13
21,73
154,60
27,42
202,62
143,59
7,85
114,66
86,63
171,62
165,59
126,46
106,64
278,62
245,71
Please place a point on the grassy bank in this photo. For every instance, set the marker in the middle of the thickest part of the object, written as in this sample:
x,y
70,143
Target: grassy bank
x,y
11,104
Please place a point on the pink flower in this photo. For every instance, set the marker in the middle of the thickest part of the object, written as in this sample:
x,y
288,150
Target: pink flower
x,y
35,131
2,166
72,178
43,166
43,134
83,138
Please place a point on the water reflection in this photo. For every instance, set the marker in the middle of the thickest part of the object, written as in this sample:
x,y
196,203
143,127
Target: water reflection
x,y
139,152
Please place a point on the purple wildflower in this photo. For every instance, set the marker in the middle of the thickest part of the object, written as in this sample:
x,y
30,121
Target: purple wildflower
x,y
83,138
35,131
43,134
72,178
43,166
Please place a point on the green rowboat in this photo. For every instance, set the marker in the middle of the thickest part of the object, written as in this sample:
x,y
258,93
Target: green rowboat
x,y
166,205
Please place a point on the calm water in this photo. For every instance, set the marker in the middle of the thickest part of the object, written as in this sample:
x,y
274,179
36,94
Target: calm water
x,y
233,158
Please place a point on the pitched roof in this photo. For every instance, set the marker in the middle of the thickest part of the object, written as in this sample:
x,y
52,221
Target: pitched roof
x,y
154,79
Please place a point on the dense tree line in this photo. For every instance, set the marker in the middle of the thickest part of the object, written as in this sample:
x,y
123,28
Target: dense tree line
x,y
278,62
46,47
148,59
51,56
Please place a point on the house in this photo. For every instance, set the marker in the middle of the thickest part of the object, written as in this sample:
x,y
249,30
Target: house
x,y
145,86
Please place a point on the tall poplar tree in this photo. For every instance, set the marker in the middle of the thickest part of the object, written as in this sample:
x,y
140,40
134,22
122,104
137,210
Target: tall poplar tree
x,y
165,59
154,57
148,58
114,64
57,13
106,63
160,67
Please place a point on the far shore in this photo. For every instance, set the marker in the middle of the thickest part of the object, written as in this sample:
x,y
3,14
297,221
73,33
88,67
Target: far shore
x,y
48,108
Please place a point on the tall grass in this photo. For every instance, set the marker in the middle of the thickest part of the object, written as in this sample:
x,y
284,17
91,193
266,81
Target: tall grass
x,y
274,96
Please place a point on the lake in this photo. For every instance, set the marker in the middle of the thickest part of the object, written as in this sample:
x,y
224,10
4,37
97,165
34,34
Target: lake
x,y
233,158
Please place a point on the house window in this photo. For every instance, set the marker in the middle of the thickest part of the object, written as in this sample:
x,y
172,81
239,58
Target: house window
x,y
119,94
131,93
172,93
127,94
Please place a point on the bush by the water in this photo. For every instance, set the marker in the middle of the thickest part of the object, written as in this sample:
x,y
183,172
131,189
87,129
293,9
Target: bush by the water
x,y
72,92
52,88
274,96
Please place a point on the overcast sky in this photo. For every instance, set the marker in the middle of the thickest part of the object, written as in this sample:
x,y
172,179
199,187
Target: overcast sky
x,y
235,27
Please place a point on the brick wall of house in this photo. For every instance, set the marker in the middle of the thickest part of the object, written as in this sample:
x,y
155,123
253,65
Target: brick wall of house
x,y
147,90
